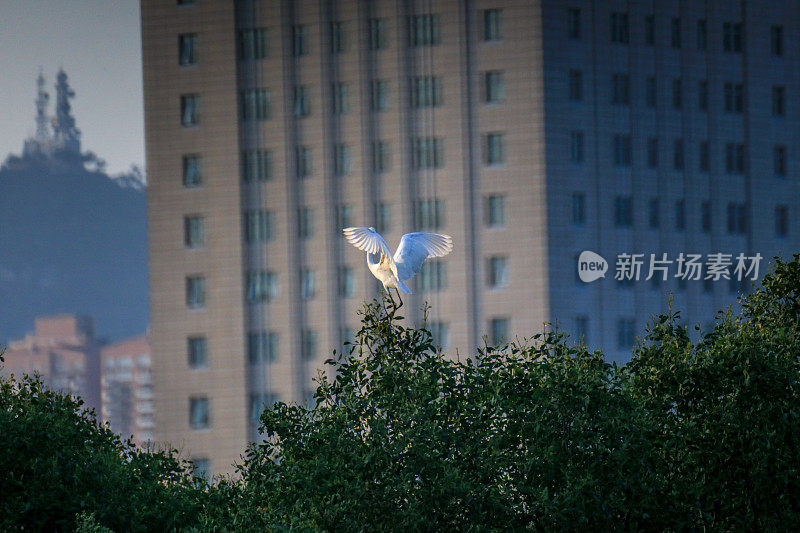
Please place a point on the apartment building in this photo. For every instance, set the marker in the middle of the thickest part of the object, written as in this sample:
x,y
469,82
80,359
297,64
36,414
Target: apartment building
x,y
530,131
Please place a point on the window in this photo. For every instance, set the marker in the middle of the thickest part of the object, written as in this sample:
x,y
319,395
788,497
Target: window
x,y
732,37
779,160
185,2
195,292
197,352
680,215
621,89
302,101
737,218
190,110
495,87
338,40
574,23
578,208
705,156
253,43
305,222
341,98
493,25
498,331
622,150
702,95
619,28
344,217
495,149
776,41
377,34
705,216
781,220
187,49
623,211
653,214
430,214
675,35
255,104
262,286
432,276
427,152
304,161
702,35
426,91
383,217
347,282
191,171
778,100
341,159
734,97
498,272
256,165
199,412
424,30
299,42
380,95
625,333
734,158
677,154
194,235
576,147
259,403
440,331
650,92
677,93
652,152
262,346
650,30
496,211
381,157
308,284
258,226
309,344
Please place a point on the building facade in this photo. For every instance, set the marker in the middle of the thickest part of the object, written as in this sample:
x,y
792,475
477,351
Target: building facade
x,y
127,389
64,351
530,131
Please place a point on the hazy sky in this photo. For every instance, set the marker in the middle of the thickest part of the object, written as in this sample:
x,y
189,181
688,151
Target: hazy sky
x,y
98,44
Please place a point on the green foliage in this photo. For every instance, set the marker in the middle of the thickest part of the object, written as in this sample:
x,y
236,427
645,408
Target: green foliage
x,y
542,435
57,462
726,411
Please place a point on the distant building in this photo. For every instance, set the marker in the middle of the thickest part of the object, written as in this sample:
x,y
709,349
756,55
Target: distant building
x,y
64,136
127,388
115,380
64,350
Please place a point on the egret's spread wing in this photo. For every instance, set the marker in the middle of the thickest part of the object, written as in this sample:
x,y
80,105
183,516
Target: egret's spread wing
x,y
415,248
368,240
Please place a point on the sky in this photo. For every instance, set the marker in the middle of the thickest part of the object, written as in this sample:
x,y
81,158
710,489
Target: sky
x,y
98,44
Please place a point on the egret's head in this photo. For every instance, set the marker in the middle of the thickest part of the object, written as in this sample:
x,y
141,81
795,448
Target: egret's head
x,y
371,228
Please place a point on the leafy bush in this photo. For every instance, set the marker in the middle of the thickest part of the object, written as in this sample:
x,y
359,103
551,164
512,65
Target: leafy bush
x,y
57,461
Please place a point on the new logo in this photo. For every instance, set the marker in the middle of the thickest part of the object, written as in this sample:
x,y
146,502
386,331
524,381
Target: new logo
x,y
591,266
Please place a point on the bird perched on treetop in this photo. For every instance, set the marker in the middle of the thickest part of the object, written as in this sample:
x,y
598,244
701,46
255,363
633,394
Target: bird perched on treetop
x,y
413,250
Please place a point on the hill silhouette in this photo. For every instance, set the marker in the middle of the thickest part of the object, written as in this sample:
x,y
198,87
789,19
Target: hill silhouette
x,y
72,240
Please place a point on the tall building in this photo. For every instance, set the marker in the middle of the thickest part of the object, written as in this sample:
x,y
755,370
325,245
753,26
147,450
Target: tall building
x,y
530,131
127,388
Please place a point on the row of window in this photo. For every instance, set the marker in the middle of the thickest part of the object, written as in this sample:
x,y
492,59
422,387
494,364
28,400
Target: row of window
x,y
626,331
263,287
733,93
734,154
736,215
732,35
423,30
258,224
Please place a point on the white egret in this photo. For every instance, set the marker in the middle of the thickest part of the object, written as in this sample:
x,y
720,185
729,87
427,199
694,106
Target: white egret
x,y
413,250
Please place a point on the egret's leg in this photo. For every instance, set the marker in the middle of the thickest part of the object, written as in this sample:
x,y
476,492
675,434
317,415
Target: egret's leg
x,y
398,297
389,292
